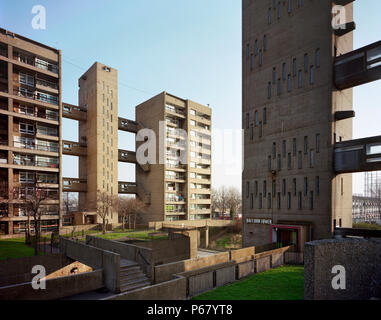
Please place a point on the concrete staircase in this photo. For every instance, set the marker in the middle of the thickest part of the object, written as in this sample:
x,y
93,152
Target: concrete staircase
x,y
132,276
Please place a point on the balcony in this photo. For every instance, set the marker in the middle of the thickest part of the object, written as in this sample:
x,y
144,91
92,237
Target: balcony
x,y
126,156
36,62
358,67
127,188
47,85
358,155
74,148
74,185
74,112
127,125
24,193
39,96
4,52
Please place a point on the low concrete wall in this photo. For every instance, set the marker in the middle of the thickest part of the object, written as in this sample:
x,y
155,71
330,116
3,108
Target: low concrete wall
x,y
175,289
164,272
55,288
95,258
245,269
13,271
166,251
242,254
225,275
200,283
262,264
361,259
143,256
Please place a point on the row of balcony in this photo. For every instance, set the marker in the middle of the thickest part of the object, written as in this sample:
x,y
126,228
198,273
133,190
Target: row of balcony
x,y
36,95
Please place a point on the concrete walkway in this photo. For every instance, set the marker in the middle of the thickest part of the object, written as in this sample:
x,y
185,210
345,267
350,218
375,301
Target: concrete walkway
x,y
206,253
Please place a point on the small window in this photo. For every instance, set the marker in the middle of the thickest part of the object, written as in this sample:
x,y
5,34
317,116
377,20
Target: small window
x,y
274,188
305,186
317,181
312,75
306,63
278,88
279,162
274,150
317,58
299,3
269,16
256,118
284,148
278,201
264,188
284,187
279,13
289,200
312,158
294,186
289,87
274,75
260,201
247,188
256,47
317,143
311,200
260,57
260,129
289,6
256,188
251,131
265,115
251,201
300,203
252,61
265,42
300,160
300,79
284,66
294,67
269,90
269,202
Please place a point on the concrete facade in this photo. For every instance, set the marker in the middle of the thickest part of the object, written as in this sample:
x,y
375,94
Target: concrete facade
x,y
179,182
30,131
291,193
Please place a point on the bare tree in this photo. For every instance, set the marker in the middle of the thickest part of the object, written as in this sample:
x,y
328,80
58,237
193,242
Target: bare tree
x,y
105,203
233,200
219,199
130,208
68,202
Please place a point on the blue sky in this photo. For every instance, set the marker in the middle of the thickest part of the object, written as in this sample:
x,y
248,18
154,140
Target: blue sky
x,y
189,48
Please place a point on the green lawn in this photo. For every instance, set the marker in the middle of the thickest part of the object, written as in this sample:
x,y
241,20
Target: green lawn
x,y
139,235
283,283
363,225
14,248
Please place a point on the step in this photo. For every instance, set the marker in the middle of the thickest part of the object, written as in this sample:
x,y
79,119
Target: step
x,y
126,282
128,272
132,276
134,287
130,268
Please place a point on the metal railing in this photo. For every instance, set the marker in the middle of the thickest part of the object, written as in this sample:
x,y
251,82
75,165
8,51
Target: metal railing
x,y
38,97
46,83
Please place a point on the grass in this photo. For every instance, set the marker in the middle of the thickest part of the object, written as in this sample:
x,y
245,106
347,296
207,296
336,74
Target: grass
x,y
283,283
14,248
138,235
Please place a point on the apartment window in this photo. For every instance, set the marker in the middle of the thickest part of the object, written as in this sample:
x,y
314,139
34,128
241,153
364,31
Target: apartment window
x,y
284,147
26,110
269,16
289,83
256,118
305,145
26,79
289,6
312,75
274,75
264,188
317,58
265,42
300,160
317,143
274,150
260,201
260,129
256,47
279,12
299,3
294,186
256,188
260,57
289,200
252,62
247,120
278,200
342,186
300,200
305,186
284,71
278,88
294,147
284,187
312,158
289,161
193,112
269,90
274,188
26,177
300,79
294,67
247,188
317,182
251,201
264,115
279,163
26,128
251,131
311,200
306,62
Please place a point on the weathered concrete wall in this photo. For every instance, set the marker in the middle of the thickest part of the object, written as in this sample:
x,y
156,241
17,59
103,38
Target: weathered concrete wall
x,y
171,290
18,270
200,283
66,270
95,258
262,264
55,288
166,251
165,272
245,269
242,254
361,259
225,275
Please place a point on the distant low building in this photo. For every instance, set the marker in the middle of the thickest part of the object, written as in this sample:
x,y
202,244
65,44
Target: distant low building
x,y
366,209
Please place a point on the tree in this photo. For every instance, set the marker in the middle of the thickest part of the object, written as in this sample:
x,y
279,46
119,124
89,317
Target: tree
x,y
130,208
34,199
233,200
68,202
105,203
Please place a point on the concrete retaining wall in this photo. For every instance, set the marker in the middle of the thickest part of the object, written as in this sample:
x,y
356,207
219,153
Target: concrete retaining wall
x,y
165,272
245,269
95,258
55,288
175,289
143,256
225,275
361,259
13,271
242,254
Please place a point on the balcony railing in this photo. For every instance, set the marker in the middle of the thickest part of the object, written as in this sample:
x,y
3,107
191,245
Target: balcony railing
x,y
4,52
38,63
38,97
46,83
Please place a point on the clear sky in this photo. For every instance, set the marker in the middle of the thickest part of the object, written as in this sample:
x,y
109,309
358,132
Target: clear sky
x,y
190,48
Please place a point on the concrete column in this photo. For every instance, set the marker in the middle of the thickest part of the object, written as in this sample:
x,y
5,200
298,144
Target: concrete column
x,y
10,227
207,237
